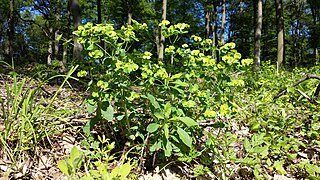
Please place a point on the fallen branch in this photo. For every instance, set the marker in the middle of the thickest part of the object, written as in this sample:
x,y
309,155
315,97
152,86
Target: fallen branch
x,y
306,77
307,97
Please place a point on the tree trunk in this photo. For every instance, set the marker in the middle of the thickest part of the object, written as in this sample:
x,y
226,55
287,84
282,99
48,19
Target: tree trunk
x,y
76,14
315,6
162,38
129,11
10,33
280,36
241,7
257,35
50,48
207,21
223,21
57,30
66,45
99,11
214,17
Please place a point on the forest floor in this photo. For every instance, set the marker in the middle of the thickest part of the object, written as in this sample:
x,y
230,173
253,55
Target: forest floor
x,y
69,119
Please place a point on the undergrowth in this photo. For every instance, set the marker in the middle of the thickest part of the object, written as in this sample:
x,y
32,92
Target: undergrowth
x,y
217,117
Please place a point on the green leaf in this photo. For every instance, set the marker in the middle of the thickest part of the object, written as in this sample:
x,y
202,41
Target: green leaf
x,y
75,153
59,37
176,76
167,110
107,111
184,136
159,115
63,166
168,149
188,121
180,83
91,105
90,47
166,131
125,170
278,165
156,146
180,91
255,126
153,101
152,127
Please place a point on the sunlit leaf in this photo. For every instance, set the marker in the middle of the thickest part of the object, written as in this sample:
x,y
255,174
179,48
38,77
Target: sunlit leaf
x,y
152,127
184,136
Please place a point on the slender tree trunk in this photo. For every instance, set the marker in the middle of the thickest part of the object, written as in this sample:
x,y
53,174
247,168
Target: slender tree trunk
x,y
315,33
214,23
130,11
241,7
76,14
10,33
65,45
99,11
207,22
50,47
223,21
162,38
280,36
57,30
257,36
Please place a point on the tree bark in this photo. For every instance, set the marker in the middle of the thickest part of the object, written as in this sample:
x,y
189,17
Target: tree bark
x,y
257,36
162,38
315,6
241,7
130,11
76,14
207,22
57,30
50,48
223,21
280,34
99,11
214,17
10,33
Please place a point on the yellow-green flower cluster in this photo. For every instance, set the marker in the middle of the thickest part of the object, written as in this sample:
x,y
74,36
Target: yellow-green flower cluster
x,y
103,85
128,32
137,25
161,73
206,42
127,67
246,62
82,73
147,55
208,61
189,104
164,23
181,26
196,38
237,82
224,109
133,96
210,114
229,59
146,71
170,50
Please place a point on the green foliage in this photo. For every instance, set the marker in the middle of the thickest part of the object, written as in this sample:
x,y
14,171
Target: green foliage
x,y
71,165
139,98
26,121
98,154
